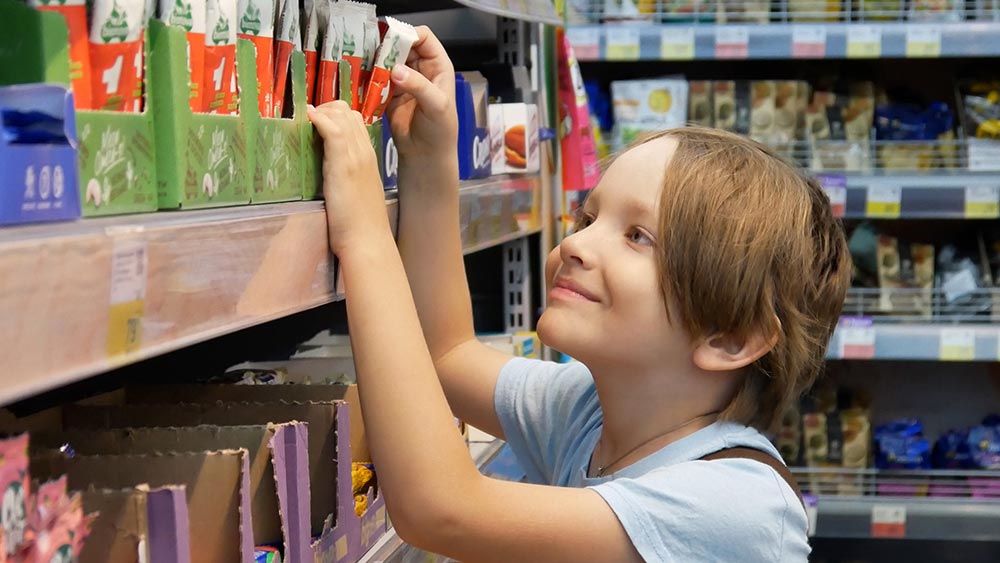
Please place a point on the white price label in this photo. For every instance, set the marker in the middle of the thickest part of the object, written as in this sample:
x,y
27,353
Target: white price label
x,y
732,42
982,202
857,338
923,41
129,264
864,41
622,43
586,42
677,43
884,201
888,521
958,344
808,41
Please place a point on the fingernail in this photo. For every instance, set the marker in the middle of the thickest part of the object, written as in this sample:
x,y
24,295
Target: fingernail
x,y
400,72
310,107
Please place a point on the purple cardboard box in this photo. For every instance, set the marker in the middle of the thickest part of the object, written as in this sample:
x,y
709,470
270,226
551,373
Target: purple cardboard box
x,y
38,182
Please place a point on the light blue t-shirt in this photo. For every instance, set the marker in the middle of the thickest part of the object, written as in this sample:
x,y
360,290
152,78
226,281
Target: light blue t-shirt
x,y
673,507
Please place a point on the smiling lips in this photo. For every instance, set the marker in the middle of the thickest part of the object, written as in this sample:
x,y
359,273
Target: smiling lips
x,y
568,289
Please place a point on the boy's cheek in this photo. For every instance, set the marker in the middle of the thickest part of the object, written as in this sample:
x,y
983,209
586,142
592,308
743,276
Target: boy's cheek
x,y
551,266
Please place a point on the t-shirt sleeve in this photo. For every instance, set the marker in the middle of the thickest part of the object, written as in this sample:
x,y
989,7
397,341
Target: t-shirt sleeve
x,y
541,407
727,510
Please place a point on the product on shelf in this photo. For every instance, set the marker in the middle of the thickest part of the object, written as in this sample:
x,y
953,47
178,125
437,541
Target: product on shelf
x,y
743,11
762,94
256,24
981,103
362,482
354,16
908,267
646,106
15,483
75,12
327,80
814,10
191,17
835,432
471,96
788,106
116,54
288,39
731,100
962,272
684,11
580,169
901,445
936,10
700,109
879,10
839,128
907,134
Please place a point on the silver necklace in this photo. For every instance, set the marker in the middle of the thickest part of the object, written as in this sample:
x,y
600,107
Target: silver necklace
x,y
602,468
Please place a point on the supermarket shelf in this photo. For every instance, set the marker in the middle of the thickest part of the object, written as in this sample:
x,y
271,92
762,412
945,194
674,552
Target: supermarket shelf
x,y
623,41
866,340
390,548
923,504
539,11
943,195
86,297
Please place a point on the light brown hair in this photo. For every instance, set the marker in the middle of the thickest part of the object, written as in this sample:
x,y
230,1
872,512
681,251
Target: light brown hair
x,y
749,239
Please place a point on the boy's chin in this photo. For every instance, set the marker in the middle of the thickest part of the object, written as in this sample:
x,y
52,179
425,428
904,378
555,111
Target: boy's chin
x,y
557,333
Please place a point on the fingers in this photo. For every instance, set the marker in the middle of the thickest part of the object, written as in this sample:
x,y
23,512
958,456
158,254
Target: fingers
x,y
431,98
342,129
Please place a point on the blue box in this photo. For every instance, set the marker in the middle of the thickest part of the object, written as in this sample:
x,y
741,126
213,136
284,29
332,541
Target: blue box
x,y
390,158
39,182
474,156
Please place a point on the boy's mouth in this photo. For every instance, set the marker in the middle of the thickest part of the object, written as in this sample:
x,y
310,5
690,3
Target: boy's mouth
x,y
565,287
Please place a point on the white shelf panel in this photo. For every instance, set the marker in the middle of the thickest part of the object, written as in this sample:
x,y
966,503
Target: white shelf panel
x,y
195,275
916,341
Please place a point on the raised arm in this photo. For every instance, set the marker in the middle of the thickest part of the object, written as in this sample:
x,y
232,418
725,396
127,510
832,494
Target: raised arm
x,y
425,130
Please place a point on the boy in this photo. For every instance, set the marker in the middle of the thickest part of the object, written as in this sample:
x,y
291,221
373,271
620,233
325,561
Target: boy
x,y
698,294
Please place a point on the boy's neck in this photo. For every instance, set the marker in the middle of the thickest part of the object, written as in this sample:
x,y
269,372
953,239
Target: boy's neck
x,y
642,403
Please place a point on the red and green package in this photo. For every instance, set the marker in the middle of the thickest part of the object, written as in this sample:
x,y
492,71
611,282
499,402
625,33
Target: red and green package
x,y
75,12
257,26
116,57
355,14
190,15
317,13
16,486
329,64
399,39
372,41
289,39
220,57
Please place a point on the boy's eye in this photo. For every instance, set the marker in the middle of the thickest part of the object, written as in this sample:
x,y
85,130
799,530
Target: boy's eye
x,y
583,221
638,236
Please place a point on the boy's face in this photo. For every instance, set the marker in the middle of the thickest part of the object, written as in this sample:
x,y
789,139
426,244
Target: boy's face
x,y
604,298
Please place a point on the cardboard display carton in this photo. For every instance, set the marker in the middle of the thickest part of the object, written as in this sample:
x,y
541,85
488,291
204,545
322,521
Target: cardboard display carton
x,y
217,485
137,524
520,126
471,95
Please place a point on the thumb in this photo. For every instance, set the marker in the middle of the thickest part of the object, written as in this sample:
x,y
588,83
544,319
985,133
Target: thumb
x,y
429,97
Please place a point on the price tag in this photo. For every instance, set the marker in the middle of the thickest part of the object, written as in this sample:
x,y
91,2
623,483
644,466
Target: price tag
x,y
864,41
586,42
958,344
923,41
808,41
888,521
982,202
835,186
884,202
622,43
732,42
857,338
129,266
677,43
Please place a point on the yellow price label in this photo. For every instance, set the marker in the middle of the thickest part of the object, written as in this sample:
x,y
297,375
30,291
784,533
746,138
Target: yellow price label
x,y
883,209
125,327
129,264
677,44
982,202
864,42
958,344
923,41
884,202
622,43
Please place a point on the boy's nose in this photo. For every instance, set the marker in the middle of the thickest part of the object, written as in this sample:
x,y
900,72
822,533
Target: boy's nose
x,y
575,249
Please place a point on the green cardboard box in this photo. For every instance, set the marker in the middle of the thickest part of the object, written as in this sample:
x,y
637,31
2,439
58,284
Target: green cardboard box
x,y
204,159
117,164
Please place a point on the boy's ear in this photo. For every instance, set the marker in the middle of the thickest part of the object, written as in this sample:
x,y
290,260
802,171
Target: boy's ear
x,y
725,352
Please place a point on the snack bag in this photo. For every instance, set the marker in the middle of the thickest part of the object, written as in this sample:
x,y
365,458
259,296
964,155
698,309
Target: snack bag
x,y
373,38
329,64
116,57
257,26
190,15
399,38
220,57
75,12
355,14
316,15
289,39
16,486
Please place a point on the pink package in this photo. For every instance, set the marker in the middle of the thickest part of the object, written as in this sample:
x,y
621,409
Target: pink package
x,y
16,486
580,168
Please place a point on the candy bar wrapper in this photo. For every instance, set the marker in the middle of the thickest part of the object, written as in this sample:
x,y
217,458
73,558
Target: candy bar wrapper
x,y
220,57
257,26
289,39
329,64
372,42
16,487
399,39
353,47
75,12
316,15
190,16
116,56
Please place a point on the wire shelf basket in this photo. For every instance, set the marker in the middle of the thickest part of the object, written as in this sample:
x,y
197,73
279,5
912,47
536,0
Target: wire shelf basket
x,y
980,485
918,305
785,11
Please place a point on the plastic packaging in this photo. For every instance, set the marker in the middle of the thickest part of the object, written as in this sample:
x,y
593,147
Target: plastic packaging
x,y
220,57
116,54
399,38
330,56
257,26
75,12
16,486
354,15
289,39
316,14
192,17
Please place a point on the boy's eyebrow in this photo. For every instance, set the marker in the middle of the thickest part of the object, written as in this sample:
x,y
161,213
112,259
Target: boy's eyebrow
x,y
640,208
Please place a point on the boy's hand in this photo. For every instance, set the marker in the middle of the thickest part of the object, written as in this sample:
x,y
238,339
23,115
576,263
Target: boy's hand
x,y
352,187
422,112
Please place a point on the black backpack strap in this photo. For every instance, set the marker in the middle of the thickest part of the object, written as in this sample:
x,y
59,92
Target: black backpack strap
x,y
760,457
